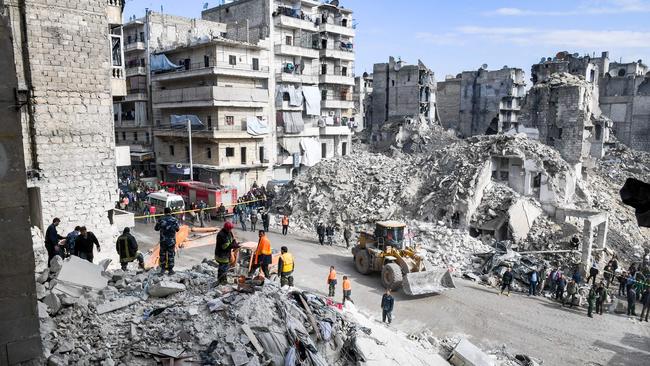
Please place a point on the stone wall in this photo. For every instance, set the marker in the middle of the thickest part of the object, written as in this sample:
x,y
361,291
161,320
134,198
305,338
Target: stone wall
x,y
448,102
66,67
253,14
19,329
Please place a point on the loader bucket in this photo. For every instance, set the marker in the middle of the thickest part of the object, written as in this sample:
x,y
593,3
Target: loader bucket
x,y
427,282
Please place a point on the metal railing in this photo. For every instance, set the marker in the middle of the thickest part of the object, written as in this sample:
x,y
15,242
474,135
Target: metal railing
x,y
117,72
116,3
220,65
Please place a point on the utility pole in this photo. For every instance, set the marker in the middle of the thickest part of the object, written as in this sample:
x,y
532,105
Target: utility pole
x,y
189,134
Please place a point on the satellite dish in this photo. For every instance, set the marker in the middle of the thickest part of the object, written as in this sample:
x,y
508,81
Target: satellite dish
x,y
484,66
398,65
179,165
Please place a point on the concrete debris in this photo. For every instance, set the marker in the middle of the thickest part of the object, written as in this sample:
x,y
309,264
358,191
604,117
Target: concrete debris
x,y
53,303
40,291
56,263
117,304
467,354
42,311
78,272
165,288
43,276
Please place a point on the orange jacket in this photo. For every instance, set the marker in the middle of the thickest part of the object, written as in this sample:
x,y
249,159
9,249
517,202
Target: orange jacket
x,y
346,285
263,246
285,220
332,276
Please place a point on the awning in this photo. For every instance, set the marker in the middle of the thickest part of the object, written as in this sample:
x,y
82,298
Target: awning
x,y
160,62
142,156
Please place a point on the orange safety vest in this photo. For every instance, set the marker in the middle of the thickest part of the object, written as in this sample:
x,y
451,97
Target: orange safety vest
x,y
285,220
332,276
264,246
346,285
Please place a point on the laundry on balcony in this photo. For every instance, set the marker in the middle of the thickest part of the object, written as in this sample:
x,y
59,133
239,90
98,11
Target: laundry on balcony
x,y
312,99
293,122
180,121
256,126
348,46
290,93
311,151
160,63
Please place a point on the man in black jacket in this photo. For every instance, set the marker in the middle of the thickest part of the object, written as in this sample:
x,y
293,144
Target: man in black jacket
x,y
225,244
320,231
506,281
387,302
84,245
266,220
127,248
645,301
52,240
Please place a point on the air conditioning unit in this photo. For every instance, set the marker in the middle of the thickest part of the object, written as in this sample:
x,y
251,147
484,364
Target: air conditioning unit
x,y
332,113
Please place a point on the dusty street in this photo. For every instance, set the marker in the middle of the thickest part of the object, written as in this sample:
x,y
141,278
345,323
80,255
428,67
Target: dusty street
x,y
535,326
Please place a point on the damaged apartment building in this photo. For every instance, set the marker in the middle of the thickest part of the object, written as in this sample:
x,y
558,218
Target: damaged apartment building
x,y
400,91
482,102
311,76
56,111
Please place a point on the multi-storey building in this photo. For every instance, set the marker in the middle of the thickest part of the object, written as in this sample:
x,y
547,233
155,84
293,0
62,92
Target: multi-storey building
x,y
362,101
312,72
133,114
222,88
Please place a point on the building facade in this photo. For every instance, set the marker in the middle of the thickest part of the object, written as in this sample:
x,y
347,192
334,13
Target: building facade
x,y
362,101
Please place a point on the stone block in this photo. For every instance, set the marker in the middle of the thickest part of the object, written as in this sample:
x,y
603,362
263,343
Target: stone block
x,y
467,354
116,305
165,288
78,272
53,303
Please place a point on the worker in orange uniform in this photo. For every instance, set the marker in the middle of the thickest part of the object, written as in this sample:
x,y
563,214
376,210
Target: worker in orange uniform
x,y
285,267
347,290
285,224
262,255
331,281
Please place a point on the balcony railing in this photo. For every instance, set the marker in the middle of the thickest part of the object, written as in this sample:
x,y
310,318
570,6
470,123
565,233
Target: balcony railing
x,y
201,68
212,95
117,72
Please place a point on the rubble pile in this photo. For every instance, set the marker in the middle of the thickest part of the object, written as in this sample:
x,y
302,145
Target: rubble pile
x,y
413,135
143,319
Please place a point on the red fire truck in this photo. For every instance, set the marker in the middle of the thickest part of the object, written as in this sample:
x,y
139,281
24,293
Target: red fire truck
x,y
212,195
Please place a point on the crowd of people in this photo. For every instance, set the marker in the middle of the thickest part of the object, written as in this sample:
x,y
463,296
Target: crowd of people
x,y
327,233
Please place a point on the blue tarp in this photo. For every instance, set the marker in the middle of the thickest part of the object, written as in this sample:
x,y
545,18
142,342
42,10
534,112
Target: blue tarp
x,y
160,62
180,121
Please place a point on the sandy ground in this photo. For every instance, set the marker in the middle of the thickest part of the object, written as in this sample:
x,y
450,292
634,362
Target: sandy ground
x,y
535,326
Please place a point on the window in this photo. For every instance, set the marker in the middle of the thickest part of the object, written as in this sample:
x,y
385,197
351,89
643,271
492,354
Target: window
x,y
186,63
344,22
286,97
256,64
261,154
123,136
323,44
392,83
135,136
344,71
288,40
230,152
209,153
230,120
344,148
147,137
323,69
142,62
323,150
117,137
209,121
141,36
206,61
129,40
171,150
323,94
242,152
232,60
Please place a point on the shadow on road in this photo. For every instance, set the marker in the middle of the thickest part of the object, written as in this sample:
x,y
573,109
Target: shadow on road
x,y
635,355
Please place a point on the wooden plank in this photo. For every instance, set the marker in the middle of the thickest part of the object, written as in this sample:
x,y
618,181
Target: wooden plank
x,y
249,333
311,316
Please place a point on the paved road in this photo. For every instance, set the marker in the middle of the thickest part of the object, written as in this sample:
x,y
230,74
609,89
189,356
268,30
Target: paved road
x,y
535,326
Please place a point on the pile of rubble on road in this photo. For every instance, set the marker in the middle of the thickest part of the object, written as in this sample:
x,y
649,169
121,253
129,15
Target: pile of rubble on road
x,y
93,316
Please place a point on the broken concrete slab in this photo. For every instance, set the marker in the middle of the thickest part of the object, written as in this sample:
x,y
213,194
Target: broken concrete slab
x,y
72,291
467,354
165,288
55,264
67,300
118,274
78,272
251,336
43,276
40,291
53,303
239,358
104,263
42,311
117,304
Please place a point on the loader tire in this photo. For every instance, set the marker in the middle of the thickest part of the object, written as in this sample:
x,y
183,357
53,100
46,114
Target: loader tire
x,y
391,276
362,262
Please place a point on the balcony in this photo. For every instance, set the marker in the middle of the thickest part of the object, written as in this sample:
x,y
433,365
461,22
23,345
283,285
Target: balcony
x,y
309,131
235,132
283,49
136,95
338,54
136,71
294,23
337,104
286,77
118,81
337,29
200,69
134,46
336,79
114,11
336,131
211,96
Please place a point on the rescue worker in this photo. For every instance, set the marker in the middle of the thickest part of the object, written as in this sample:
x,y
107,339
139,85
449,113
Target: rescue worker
x,y
506,280
225,244
285,224
266,220
320,231
591,300
387,302
347,234
84,244
347,290
168,226
571,291
70,240
263,255
331,281
52,240
127,248
286,267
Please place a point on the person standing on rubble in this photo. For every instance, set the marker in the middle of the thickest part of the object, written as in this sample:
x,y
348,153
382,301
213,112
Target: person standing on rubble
x,y
286,266
533,277
622,280
571,292
347,235
591,300
285,224
84,244
225,244
263,255
127,248
561,285
331,281
506,281
577,276
52,240
645,301
70,240
329,232
347,290
320,231
601,297
593,272
387,303
168,226
608,274
242,219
